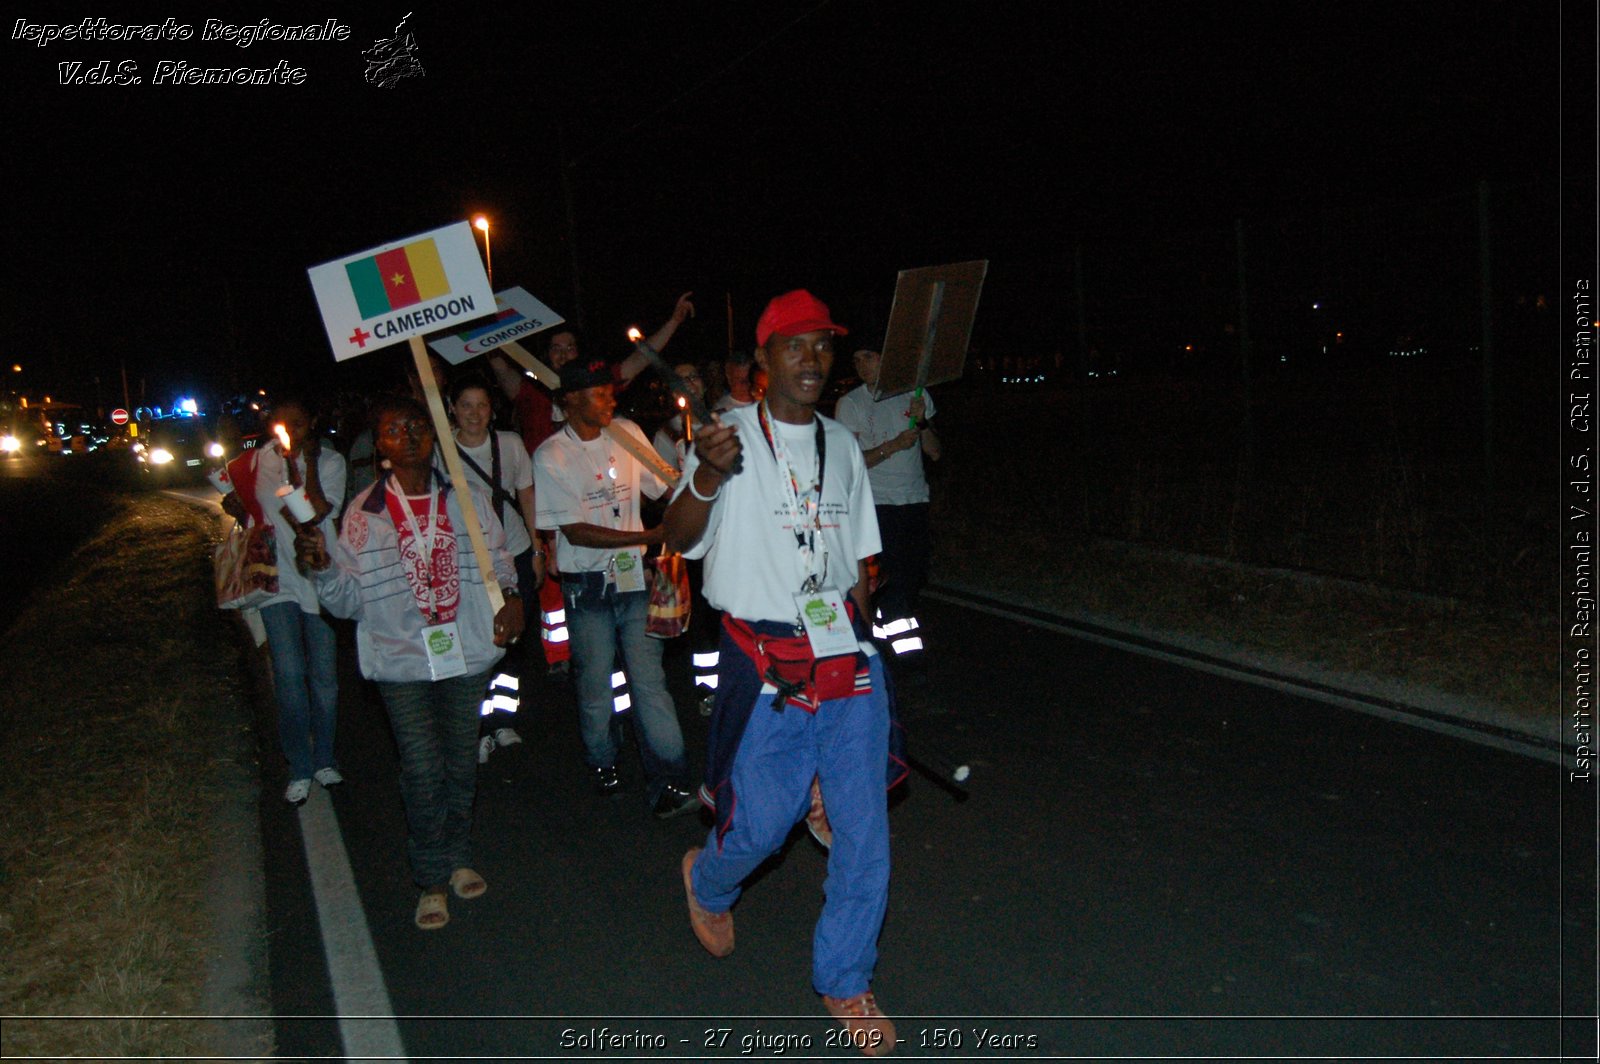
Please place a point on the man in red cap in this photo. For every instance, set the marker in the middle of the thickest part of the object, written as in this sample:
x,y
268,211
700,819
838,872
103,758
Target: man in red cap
x,y
775,498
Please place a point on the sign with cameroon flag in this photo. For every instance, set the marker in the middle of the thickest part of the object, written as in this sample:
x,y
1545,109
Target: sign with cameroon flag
x,y
418,285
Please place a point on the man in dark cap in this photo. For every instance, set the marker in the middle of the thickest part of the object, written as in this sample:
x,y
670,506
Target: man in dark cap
x,y
587,490
777,502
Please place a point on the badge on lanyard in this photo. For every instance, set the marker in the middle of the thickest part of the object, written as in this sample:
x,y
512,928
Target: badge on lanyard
x,y
445,656
628,569
826,623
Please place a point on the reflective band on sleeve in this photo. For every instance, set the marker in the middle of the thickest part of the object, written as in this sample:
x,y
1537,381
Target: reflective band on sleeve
x,y
621,702
554,617
706,660
906,645
506,681
893,628
618,679
707,680
556,635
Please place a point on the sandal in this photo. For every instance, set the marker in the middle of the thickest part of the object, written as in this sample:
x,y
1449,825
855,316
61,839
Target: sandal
x,y
433,910
467,884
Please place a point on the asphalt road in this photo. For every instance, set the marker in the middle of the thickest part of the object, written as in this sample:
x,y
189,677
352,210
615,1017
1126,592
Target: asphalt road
x,y
1153,861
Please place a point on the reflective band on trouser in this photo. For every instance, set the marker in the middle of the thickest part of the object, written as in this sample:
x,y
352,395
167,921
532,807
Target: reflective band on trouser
x,y
620,699
705,669
503,695
893,628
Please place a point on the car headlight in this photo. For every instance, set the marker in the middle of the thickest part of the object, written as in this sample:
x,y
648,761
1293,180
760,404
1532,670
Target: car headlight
x,y
10,445
214,450
160,456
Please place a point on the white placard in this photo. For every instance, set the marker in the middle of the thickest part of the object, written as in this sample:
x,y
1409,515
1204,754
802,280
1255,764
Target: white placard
x,y
402,289
518,315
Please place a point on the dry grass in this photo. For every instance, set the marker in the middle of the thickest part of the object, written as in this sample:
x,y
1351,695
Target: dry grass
x,y
111,681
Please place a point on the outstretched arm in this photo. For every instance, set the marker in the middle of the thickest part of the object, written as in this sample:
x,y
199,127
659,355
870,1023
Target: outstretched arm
x,y
635,363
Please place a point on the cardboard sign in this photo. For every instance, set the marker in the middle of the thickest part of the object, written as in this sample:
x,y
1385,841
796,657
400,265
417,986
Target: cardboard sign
x,y
517,315
930,324
421,284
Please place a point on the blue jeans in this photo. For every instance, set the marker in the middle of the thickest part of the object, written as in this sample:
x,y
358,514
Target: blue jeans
x,y
435,726
306,679
602,621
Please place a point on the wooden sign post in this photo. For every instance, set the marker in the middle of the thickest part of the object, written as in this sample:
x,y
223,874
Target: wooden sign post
x,y
550,379
458,474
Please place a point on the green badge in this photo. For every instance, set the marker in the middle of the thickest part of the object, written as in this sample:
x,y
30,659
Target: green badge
x,y
625,563
440,642
819,613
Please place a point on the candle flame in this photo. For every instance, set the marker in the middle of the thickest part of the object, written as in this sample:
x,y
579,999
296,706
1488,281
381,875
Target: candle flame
x,y
283,436
634,334
683,404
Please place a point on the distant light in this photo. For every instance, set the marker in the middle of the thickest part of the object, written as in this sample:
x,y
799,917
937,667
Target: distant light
x,y
481,224
16,368
160,456
187,406
1316,306
10,444
634,334
214,450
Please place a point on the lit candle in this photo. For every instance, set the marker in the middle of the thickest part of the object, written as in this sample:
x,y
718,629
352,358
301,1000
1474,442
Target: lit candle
x,y
283,438
688,420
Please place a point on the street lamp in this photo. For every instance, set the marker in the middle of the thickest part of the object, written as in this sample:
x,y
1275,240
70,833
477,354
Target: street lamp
x,y
481,223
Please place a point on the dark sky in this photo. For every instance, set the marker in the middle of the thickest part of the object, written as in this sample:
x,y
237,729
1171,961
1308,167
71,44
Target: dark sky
x,y
739,148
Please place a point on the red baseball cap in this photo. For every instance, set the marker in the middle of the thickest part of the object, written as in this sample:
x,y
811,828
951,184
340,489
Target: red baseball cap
x,y
794,313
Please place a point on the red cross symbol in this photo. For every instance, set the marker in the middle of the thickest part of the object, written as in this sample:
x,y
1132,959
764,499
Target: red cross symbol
x,y
359,338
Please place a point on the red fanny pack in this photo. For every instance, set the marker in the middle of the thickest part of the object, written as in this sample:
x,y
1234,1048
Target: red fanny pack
x,y
788,663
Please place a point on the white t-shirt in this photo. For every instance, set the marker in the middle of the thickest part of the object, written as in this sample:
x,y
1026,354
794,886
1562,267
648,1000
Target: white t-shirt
x,y
593,482
754,566
271,474
672,448
898,480
516,473
728,402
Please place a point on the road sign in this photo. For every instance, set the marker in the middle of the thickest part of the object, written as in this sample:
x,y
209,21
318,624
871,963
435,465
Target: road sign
x,y
119,416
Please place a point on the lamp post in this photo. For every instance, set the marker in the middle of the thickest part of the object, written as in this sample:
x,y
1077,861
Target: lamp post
x,y
481,223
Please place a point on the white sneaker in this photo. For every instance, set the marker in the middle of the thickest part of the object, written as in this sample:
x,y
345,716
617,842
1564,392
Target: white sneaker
x,y
485,745
329,777
506,737
297,791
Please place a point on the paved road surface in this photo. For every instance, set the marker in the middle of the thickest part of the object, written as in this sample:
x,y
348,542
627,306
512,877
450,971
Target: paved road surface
x,y
1153,861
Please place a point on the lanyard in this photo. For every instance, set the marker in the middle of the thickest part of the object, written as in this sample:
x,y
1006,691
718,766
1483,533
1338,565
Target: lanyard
x,y
607,476
403,504
805,517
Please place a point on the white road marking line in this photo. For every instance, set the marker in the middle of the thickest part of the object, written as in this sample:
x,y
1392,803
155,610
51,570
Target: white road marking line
x,y
361,998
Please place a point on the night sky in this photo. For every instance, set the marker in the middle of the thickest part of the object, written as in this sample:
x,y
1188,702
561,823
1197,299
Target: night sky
x,y
740,148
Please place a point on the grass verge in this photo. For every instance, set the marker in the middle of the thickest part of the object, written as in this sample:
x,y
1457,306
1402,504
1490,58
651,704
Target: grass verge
x,y
1494,664
117,678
